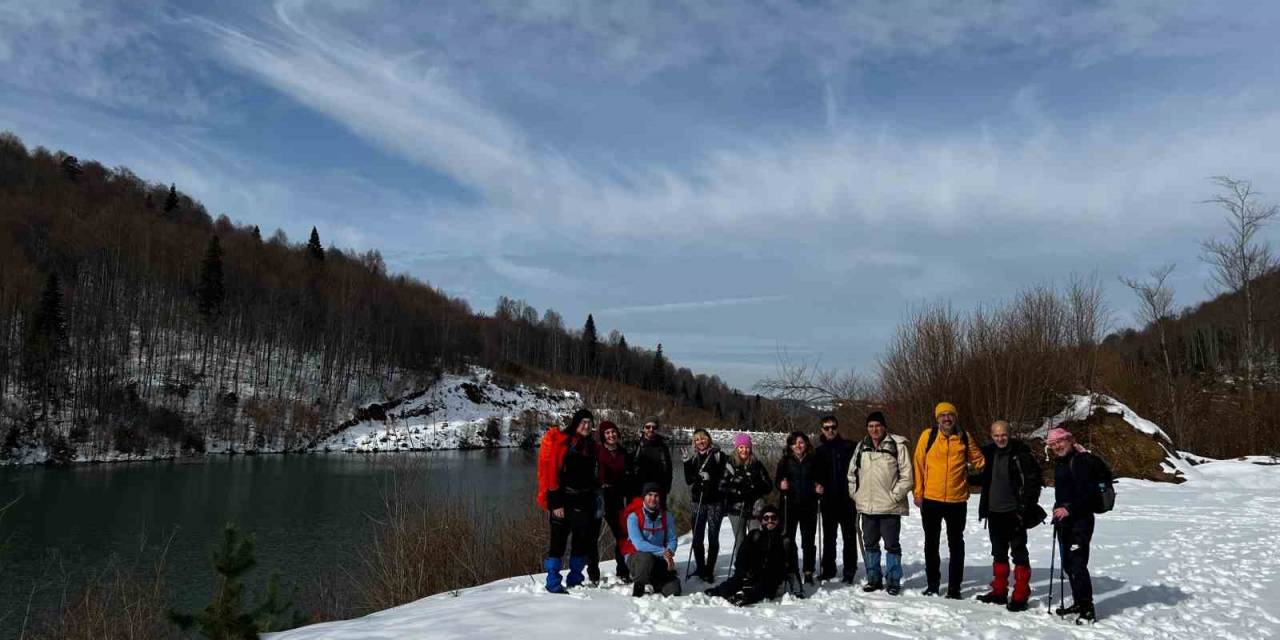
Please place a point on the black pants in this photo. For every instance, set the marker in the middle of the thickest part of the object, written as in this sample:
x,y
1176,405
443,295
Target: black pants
x,y
933,514
706,524
1074,537
1008,537
806,517
743,591
842,514
613,505
577,530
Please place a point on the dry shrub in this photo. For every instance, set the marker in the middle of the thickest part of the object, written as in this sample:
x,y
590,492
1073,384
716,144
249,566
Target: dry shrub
x,y
120,602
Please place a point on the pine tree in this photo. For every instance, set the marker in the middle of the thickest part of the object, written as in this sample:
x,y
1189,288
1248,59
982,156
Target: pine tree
x,y
71,168
658,372
224,618
257,235
314,248
46,344
171,200
591,344
210,292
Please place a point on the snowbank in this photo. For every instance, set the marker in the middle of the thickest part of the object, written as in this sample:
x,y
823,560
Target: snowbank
x,y
1195,560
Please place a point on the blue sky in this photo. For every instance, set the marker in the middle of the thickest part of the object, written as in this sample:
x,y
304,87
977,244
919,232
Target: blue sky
x,y
734,180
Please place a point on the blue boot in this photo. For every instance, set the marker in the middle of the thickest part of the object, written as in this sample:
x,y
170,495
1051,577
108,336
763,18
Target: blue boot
x,y
576,565
872,560
893,572
552,565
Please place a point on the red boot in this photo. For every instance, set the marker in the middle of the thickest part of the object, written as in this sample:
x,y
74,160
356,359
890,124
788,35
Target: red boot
x,y
999,593
1021,587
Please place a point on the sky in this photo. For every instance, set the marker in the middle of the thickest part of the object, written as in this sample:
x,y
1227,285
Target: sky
x,y
743,182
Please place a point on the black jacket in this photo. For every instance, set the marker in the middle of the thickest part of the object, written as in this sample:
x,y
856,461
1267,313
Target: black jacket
x,y
652,463
579,478
743,485
766,558
1024,474
711,463
832,460
801,477
1073,488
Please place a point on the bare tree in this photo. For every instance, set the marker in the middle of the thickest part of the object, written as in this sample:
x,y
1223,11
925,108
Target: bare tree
x,y
1241,258
807,383
1090,318
1156,299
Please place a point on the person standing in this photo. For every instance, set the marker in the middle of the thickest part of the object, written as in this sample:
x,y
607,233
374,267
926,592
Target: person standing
x,y
944,459
650,547
568,484
1074,501
1011,485
832,459
744,485
614,464
798,481
766,562
651,461
703,468
879,481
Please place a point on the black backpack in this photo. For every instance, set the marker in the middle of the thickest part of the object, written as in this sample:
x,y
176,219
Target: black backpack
x,y
974,479
1101,478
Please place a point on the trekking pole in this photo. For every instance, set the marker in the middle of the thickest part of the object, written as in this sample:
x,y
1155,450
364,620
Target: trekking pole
x,y
1053,555
702,491
822,534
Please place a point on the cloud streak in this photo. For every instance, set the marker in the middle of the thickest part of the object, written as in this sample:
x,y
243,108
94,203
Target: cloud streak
x,y
698,305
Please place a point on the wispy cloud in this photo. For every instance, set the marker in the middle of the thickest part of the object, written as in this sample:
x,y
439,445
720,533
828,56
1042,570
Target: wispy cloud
x,y
669,307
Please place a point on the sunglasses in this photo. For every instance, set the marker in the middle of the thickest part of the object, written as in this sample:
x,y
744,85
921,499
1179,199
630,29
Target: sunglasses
x,y
828,427
768,518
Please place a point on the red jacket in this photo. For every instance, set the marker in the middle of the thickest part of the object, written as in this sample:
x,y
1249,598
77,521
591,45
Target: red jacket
x,y
613,467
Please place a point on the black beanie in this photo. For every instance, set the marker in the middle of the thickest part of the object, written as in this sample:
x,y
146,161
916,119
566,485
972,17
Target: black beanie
x,y
650,487
876,416
579,416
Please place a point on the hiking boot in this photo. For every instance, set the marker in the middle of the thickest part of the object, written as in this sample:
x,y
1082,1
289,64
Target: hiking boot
x,y
827,574
808,577
1017,605
847,579
872,586
953,594
893,590
993,597
637,590
931,590
1087,615
1068,611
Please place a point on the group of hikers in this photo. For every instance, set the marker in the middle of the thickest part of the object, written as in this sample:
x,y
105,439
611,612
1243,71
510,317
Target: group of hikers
x,y
851,488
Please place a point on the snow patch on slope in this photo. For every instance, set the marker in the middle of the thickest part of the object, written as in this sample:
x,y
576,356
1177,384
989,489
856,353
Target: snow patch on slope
x,y
1080,407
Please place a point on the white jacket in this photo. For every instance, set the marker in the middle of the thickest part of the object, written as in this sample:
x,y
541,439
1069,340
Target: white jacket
x,y
880,477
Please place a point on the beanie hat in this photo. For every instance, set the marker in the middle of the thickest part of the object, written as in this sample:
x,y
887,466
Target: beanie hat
x,y
650,487
876,416
944,407
768,508
1057,434
742,440
578,416
654,420
608,426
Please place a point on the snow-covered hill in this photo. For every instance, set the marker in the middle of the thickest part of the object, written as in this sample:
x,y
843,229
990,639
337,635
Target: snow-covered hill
x,y
1195,560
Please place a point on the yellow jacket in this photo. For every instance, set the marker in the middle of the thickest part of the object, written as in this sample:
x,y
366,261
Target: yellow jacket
x,y
941,474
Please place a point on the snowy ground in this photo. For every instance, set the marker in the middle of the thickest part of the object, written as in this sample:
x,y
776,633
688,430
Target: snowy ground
x,y
1196,560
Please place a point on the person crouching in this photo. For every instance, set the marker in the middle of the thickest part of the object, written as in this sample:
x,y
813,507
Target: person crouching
x,y
650,548
766,561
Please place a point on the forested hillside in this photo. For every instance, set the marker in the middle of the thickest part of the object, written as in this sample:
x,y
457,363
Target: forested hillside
x,y
132,320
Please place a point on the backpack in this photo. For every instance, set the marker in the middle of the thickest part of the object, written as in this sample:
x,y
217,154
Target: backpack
x,y
973,478
637,507
862,448
1104,483
550,457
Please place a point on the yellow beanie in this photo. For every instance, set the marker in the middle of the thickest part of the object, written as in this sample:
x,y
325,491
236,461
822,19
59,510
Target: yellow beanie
x,y
944,407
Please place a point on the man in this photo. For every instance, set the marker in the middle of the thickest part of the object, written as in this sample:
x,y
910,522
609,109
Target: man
x,y
766,561
838,512
614,463
650,547
652,459
879,480
943,458
1010,495
703,468
1074,501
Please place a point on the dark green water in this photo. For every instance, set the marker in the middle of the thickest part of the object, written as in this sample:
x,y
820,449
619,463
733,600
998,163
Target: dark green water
x,y
309,514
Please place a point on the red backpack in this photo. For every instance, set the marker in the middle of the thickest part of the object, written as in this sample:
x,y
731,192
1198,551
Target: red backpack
x,y
550,457
637,507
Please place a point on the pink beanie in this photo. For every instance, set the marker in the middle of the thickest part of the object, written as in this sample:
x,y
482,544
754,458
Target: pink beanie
x,y
741,440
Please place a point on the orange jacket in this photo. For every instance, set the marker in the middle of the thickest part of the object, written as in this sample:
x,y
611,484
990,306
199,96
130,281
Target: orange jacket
x,y
941,474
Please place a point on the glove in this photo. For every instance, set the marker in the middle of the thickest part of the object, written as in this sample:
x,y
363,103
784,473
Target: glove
x,y
704,475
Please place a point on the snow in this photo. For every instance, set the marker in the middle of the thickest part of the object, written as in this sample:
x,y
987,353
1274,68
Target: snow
x,y
1195,560
1080,407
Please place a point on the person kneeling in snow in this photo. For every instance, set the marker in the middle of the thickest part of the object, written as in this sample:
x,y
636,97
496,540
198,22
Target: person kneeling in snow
x,y
650,547
766,561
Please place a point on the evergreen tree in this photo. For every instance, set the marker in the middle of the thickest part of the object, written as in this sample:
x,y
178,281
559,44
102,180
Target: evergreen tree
x,y
698,401
71,168
45,345
257,235
591,346
171,200
225,617
210,292
658,372
314,249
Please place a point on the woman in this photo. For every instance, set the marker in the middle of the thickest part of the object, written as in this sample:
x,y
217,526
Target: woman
x,y
879,480
744,485
613,461
703,468
569,485
797,480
